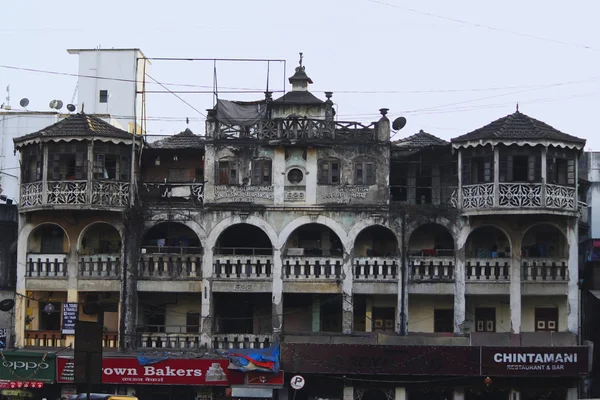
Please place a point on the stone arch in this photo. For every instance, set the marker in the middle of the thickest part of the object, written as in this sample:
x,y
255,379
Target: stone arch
x,y
383,240
182,219
170,236
431,239
38,247
494,239
332,224
216,232
416,224
82,244
553,243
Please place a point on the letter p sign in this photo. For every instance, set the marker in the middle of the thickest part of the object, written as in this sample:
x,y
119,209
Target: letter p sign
x,y
297,382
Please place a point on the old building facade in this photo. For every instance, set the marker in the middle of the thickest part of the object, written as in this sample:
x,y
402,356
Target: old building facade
x,y
282,225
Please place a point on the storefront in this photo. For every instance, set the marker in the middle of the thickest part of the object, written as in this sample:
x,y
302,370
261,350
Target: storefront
x,y
27,375
369,372
167,378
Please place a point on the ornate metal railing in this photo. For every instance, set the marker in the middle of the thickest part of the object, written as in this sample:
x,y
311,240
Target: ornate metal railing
x,y
297,129
518,196
71,192
109,193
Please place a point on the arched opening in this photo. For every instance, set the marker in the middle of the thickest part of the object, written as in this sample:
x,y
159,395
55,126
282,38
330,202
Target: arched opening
x,y
48,239
544,241
376,241
100,238
487,242
171,238
314,240
431,240
243,239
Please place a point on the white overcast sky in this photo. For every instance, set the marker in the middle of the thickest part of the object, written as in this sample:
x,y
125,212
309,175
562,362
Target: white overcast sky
x,y
448,66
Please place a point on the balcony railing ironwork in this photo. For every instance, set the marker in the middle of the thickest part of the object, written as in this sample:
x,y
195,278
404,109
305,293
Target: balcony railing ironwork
x,y
75,192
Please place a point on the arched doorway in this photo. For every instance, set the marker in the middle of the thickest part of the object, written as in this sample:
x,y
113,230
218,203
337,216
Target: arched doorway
x,y
47,248
244,239
99,250
376,241
171,250
315,240
545,252
431,254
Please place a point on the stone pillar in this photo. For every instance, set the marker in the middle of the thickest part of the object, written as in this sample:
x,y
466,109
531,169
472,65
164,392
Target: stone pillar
x,y
277,295
278,175
402,302
311,175
206,311
21,292
400,393
128,299
348,393
573,268
316,313
369,315
210,160
460,301
459,394
72,275
347,299
496,176
515,286
72,297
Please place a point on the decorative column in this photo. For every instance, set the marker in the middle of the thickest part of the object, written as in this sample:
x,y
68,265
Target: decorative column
x,y
347,299
277,295
573,268
515,285
460,307
206,311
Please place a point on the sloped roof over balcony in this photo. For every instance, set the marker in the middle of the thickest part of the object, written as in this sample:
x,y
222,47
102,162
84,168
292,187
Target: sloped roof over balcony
x,y
183,140
519,129
78,126
420,140
298,97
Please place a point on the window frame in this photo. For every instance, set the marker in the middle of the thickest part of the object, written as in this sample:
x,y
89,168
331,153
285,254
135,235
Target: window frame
x,y
260,166
103,96
328,180
122,162
231,162
364,165
437,320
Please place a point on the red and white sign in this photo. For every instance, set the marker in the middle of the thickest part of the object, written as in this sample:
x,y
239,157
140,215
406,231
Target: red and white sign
x,y
264,378
21,384
167,372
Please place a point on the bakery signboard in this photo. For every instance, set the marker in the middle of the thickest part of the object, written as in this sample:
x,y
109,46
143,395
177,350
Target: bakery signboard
x,y
162,372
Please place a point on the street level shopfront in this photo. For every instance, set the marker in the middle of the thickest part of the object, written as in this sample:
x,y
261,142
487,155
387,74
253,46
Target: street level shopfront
x,y
165,378
27,375
414,372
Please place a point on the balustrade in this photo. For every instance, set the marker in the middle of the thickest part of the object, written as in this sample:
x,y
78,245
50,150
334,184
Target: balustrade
x,y
237,266
44,339
241,341
46,265
312,268
171,266
100,266
488,269
375,268
169,336
545,269
431,268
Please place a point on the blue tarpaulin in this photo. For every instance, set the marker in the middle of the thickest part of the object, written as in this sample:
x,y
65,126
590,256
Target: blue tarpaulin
x,y
246,360
148,359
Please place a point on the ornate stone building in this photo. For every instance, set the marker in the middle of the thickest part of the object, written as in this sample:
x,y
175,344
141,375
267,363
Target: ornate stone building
x,y
282,224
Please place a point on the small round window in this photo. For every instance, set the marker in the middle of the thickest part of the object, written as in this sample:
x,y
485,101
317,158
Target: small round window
x,y
295,176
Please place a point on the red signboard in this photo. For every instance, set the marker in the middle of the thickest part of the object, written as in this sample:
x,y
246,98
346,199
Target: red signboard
x,y
264,378
166,372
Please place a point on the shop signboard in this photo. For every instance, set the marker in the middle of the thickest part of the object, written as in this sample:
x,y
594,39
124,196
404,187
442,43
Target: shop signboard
x,y
70,313
129,371
20,366
534,361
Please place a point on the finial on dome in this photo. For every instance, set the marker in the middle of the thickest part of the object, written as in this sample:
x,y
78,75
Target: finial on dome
x,y
301,57
517,107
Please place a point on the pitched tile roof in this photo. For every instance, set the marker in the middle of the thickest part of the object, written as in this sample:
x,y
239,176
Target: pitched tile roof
x,y
77,125
518,126
298,97
420,140
183,140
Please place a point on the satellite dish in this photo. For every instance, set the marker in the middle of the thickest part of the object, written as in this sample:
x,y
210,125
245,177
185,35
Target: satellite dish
x,y
71,107
7,304
56,104
399,123
24,102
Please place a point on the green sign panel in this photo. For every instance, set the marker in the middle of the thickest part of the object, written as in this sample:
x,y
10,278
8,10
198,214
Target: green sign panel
x,y
25,366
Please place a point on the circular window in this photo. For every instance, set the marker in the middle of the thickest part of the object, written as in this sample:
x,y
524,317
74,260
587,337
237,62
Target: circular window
x,y
295,176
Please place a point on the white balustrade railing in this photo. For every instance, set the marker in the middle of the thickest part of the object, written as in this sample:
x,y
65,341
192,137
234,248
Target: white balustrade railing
x,y
46,265
170,266
312,268
100,266
487,269
375,268
167,340
241,341
545,269
242,267
431,268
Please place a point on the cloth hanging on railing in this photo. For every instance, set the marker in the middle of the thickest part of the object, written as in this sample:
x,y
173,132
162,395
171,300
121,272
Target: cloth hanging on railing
x,y
240,112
